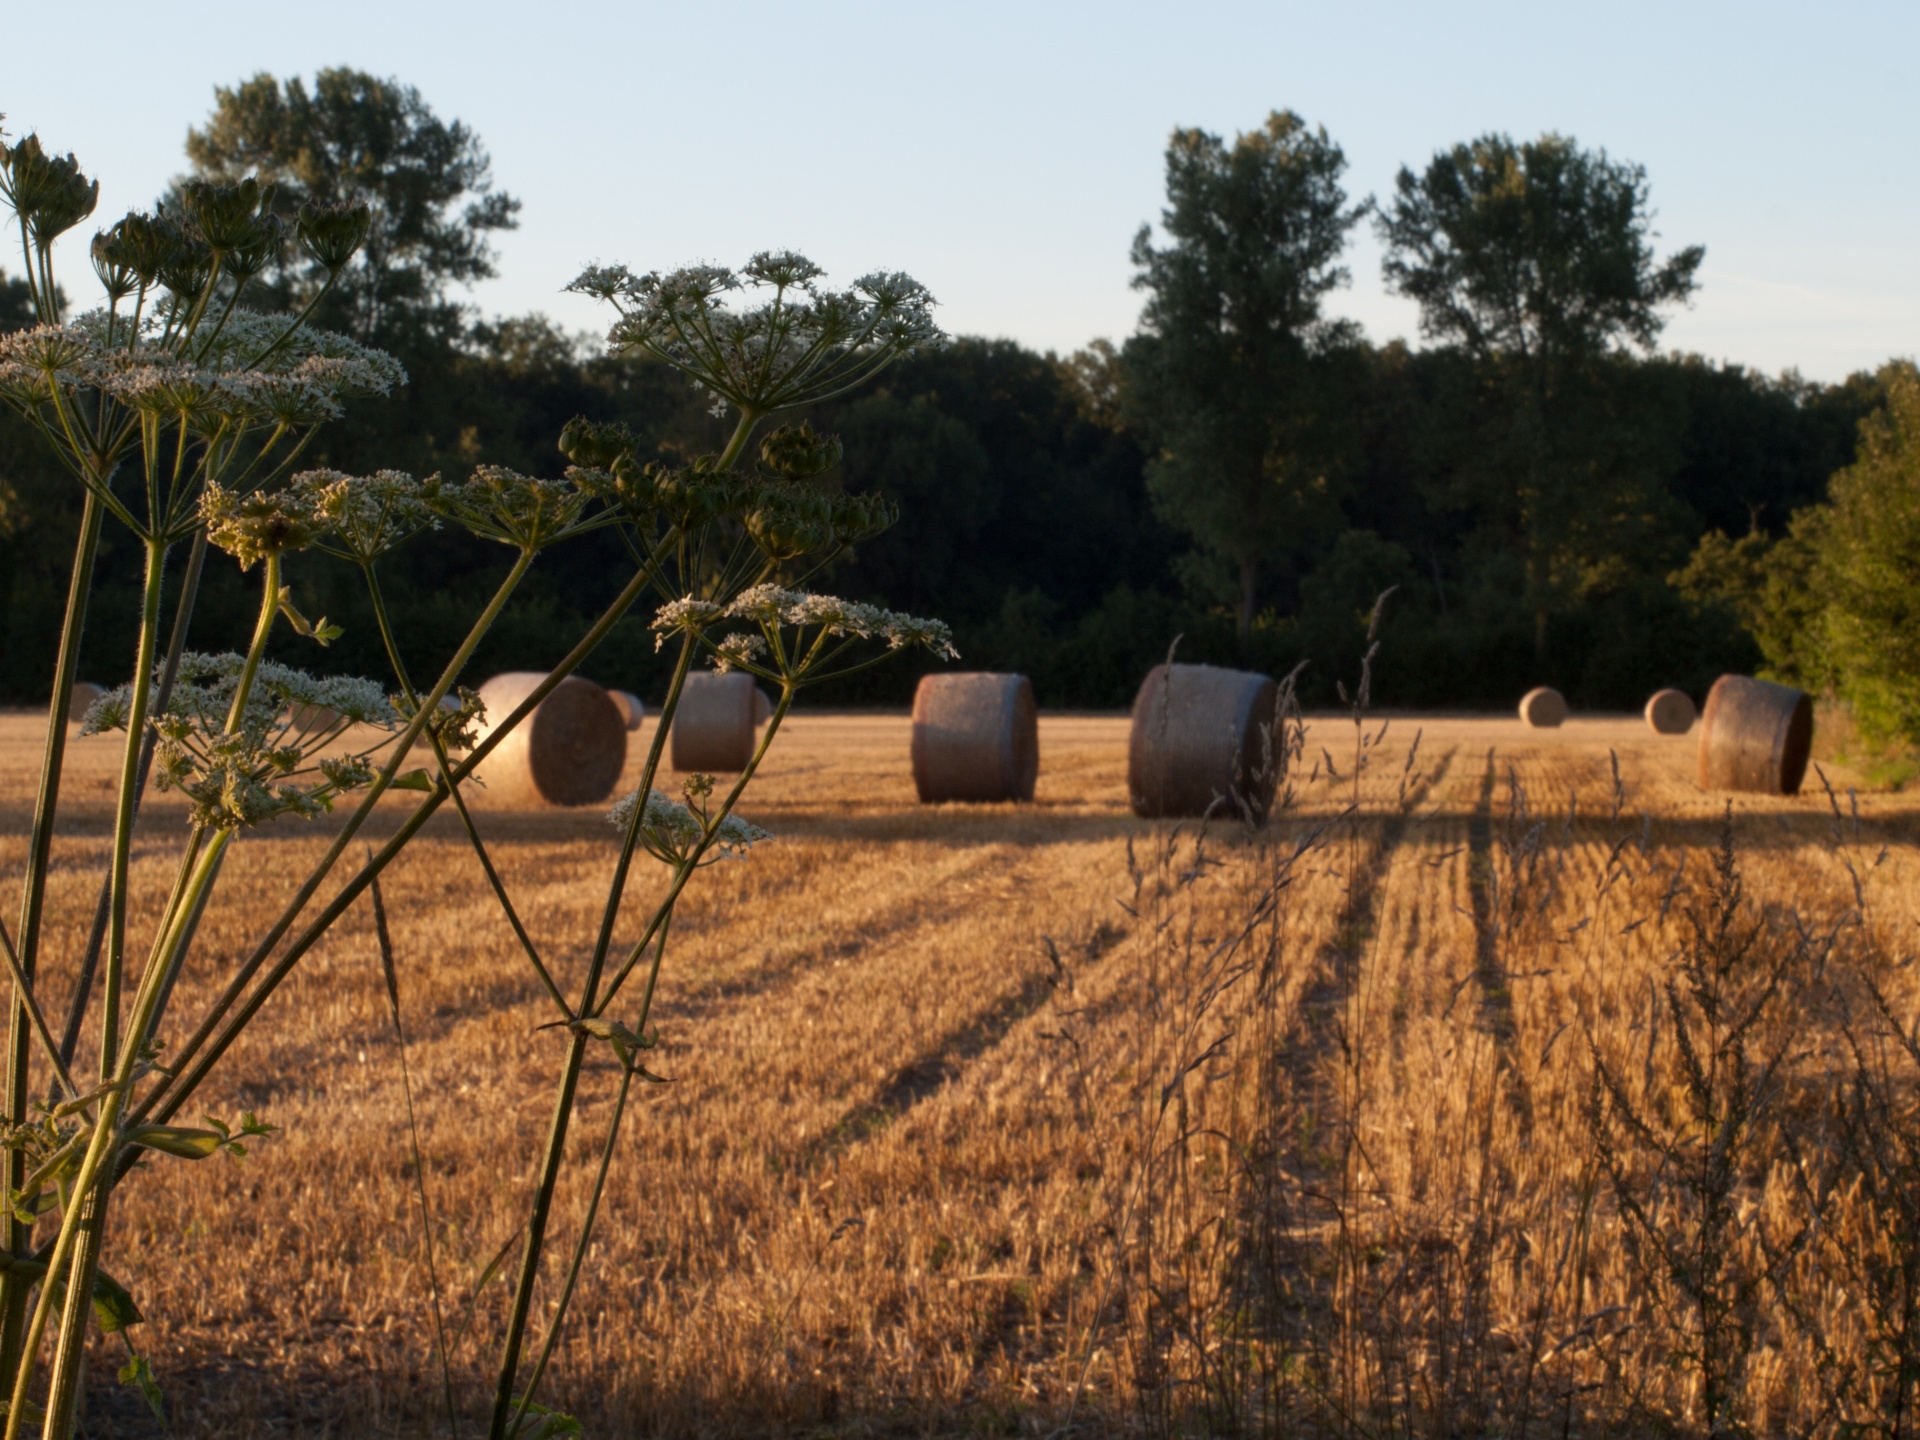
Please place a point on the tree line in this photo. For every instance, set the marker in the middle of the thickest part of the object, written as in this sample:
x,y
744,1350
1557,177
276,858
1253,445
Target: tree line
x,y
1548,497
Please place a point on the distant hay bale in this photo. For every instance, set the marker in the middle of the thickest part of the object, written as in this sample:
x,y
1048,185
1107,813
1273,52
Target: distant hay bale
x,y
1202,742
310,719
1755,736
631,710
569,751
1543,708
1671,712
975,737
80,700
762,706
714,723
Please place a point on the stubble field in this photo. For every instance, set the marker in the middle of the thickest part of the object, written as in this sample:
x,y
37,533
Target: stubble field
x,y
1377,1120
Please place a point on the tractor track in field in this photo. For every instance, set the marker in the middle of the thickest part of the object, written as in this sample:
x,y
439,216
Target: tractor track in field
x,y
946,1059
1319,1025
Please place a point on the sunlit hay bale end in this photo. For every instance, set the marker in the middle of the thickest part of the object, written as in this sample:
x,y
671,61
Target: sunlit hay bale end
x,y
1755,736
569,751
631,710
1202,743
714,723
975,737
1543,708
1671,712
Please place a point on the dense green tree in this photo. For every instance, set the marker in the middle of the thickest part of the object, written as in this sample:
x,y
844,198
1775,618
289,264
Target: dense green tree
x,y
355,138
1537,260
1231,381
1835,602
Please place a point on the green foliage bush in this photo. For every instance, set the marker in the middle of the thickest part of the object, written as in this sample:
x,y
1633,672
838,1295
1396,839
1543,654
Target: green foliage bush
x,y
1834,603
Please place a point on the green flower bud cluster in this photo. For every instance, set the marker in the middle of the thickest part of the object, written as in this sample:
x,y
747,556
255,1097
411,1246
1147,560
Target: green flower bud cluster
x,y
799,452
515,509
332,234
254,527
48,192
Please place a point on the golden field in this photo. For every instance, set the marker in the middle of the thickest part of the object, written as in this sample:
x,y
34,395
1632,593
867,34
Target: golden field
x,y
999,1120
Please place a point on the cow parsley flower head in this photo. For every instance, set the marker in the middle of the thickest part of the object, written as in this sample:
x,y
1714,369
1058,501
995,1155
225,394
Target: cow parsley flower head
x,y
371,514
670,831
269,762
515,509
687,614
802,343
253,527
771,606
738,649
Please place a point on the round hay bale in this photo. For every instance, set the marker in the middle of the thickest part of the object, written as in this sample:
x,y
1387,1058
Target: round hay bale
x,y
307,719
80,700
631,710
1671,712
569,751
762,706
1543,708
1202,742
975,737
1755,736
713,726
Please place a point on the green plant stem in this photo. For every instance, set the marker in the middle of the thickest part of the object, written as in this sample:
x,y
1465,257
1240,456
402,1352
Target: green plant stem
x,y
502,1427
25,988
123,814
453,790
579,1250
170,669
100,1149
554,1154
87,1213
555,1151
13,1288
238,1005
685,872
249,968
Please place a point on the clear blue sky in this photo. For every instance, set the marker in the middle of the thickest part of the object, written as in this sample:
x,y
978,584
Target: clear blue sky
x,y
1005,153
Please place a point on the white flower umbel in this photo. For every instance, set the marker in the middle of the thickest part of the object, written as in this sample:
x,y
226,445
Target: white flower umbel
x,y
802,344
671,832
739,649
771,606
685,613
371,514
268,765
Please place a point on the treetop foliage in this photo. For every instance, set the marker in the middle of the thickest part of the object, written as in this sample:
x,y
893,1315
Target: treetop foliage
x,y
1224,379
1538,249
357,139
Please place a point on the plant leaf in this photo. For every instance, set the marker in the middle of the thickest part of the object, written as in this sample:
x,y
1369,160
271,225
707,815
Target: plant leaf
x,y
187,1142
113,1305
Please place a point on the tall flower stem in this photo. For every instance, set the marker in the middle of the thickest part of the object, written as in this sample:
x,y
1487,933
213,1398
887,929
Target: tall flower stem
x,y
251,966
170,668
123,814
19,1235
561,1121
87,1210
120,1057
505,1416
237,1006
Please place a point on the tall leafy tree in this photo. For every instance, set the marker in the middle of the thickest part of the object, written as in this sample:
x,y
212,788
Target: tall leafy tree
x,y
1538,260
1228,379
355,138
